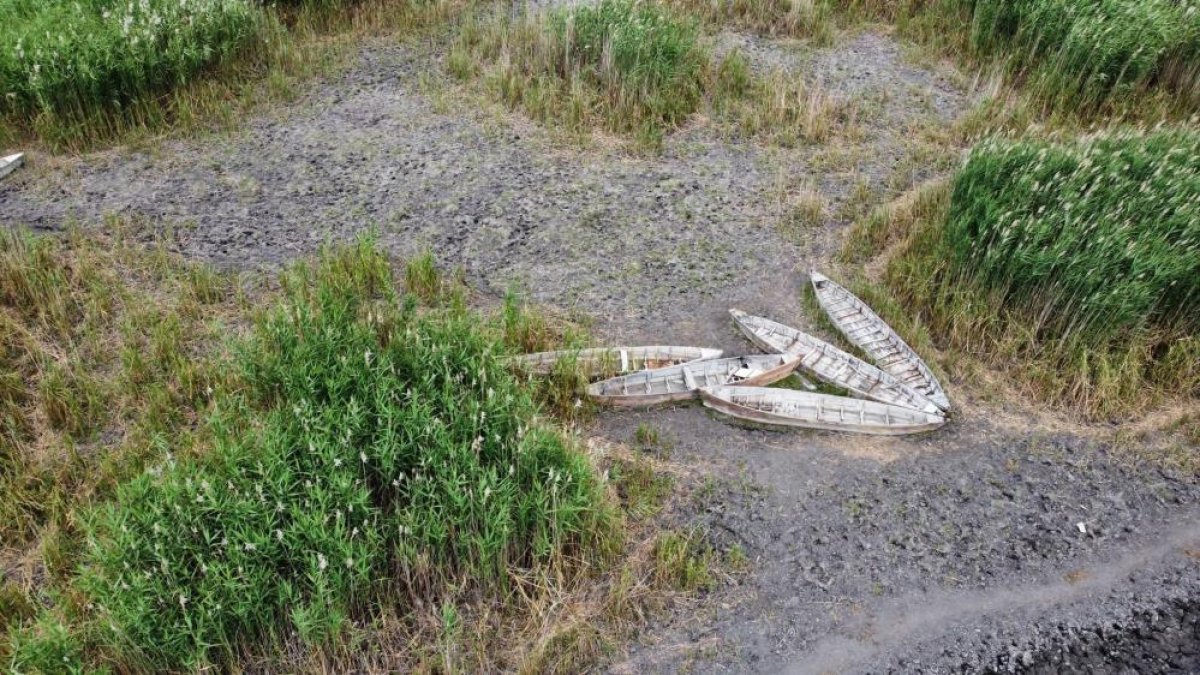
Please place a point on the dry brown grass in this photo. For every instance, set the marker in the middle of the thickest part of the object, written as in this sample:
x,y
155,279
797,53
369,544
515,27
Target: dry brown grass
x,y
109,350
783,108
810,19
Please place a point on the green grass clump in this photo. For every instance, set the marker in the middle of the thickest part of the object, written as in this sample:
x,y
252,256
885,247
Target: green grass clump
x,y
633,68
64,58
369,451
1084,53
1082,256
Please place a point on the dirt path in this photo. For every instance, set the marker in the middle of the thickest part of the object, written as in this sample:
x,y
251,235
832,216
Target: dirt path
x,y
956,551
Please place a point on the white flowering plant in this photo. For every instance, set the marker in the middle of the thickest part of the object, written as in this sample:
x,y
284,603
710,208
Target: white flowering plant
x,y
68,56
372,452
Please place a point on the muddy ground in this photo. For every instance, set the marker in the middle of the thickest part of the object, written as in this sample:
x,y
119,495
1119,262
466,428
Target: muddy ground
x,y
1008,541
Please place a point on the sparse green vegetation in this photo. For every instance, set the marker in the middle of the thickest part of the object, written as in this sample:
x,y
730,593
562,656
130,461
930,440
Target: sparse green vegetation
x,y
1080,258
641,489
646,435
628,67
684,561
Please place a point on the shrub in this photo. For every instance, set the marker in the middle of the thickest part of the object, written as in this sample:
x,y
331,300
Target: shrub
x,y
369,448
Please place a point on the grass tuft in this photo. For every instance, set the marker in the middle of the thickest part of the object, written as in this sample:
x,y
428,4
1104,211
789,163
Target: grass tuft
x,y
629,67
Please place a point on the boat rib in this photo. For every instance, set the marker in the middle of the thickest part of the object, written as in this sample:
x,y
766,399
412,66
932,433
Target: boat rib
x,y
831,364
609,361
787,407
868,332
680,383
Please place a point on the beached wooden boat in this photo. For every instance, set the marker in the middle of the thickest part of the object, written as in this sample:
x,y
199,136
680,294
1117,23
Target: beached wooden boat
x,y
680,383
868,332
11,163
610,361
788,407
830,364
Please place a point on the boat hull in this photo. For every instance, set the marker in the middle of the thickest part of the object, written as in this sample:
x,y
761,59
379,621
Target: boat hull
x,y
11,163
867,331
831,364
682,383
609,361
808,410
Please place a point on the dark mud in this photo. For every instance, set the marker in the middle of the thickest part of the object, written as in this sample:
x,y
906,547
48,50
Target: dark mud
x,y
982,547
978,548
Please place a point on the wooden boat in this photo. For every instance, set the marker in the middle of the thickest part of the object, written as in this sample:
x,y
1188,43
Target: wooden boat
x,y
868,332
831,364
680,383
612,361
788,407
11,163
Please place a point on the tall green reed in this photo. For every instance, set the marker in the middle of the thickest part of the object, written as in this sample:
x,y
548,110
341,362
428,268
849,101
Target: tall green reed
x,y
374,452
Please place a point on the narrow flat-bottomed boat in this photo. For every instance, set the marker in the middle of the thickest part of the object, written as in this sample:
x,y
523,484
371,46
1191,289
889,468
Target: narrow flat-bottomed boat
x,y
868,332
791,408
610,361
11,163
680,383
830,364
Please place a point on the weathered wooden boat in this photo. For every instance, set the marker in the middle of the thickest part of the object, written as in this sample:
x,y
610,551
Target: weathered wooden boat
x,y
610,361
680,383
868,332
791,408
830,364
11,163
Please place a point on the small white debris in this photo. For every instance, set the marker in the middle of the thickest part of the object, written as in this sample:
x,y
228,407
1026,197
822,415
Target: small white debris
x,y
1082,527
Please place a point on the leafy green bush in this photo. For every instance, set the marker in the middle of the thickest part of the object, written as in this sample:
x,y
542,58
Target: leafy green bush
x,y
370,449
66,57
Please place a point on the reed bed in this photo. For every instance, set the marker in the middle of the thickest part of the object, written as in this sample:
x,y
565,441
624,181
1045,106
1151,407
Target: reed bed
x,y
68,57
1082,257
631,68
364,450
